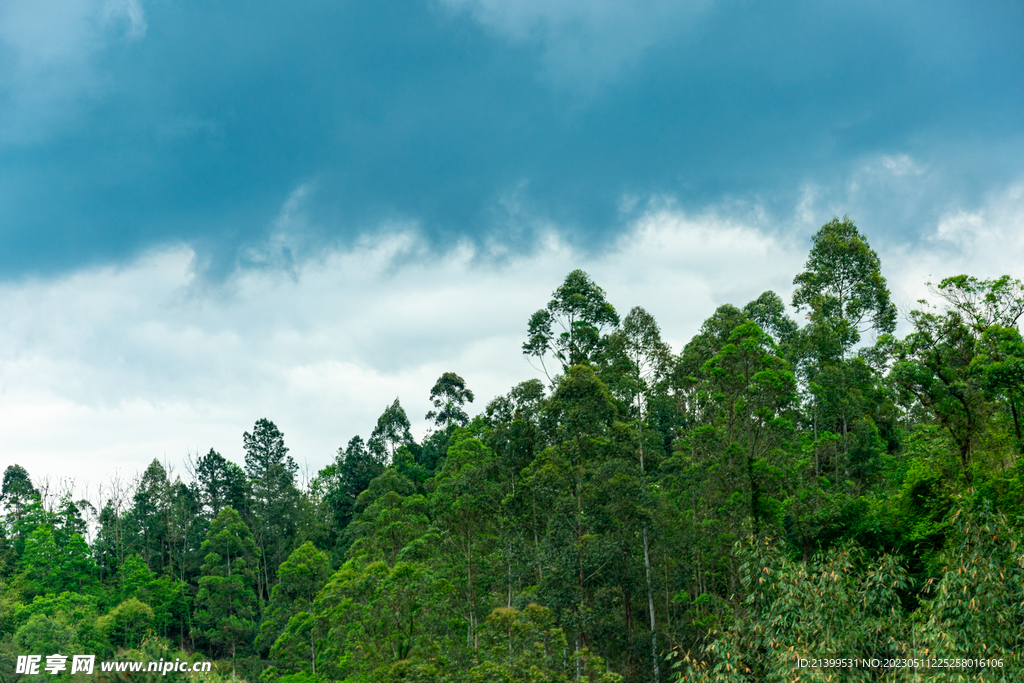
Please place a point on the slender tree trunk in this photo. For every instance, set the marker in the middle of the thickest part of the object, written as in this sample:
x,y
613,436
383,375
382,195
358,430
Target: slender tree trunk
x,y
471,633
650,606
1016,423
536,539
647,557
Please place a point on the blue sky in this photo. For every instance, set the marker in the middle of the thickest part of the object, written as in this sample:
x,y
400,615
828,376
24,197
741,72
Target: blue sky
x,y
200,200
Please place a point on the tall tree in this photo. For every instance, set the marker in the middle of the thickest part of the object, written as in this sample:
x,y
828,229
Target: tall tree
x,y
17,495
646,361
149,515
574,480
350,474
288,631
955,362
843,287
221,483
225,604
271,473
580,311
448,395
466,508
391,432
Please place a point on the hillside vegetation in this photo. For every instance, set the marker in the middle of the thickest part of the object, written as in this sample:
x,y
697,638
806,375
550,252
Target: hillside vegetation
x,y
774,491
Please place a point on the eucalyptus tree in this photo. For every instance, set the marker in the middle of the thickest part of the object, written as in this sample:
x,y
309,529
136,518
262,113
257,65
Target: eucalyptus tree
x,y
983,303
956,361
350,474
17,493
289,631
573,481
845,296
991,309
448,395
390,514
392,432
466,509
842,286
570,328
150,515
646,361
515,435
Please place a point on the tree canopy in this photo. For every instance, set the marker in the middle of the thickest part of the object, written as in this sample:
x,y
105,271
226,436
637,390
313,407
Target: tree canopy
x,y
768,494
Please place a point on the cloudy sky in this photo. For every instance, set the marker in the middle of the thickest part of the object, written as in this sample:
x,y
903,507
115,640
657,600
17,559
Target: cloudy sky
x,y
217,211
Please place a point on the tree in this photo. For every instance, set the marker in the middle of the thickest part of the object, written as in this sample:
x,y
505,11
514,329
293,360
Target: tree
x,y
958,362
646,361
983,303
522,646
17,495
376,616
274,513
466,507
221,483
350,474
392,431
288,631
225,603
390,515
575,481
580,310
128,623
843,285
933,365
448,395
751,390
149,514
769,312
846,295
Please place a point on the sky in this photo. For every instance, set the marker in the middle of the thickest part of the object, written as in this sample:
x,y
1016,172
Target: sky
x,y
217,211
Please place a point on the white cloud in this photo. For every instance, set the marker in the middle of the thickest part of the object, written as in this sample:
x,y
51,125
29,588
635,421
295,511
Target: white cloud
x,y
987,242
48,49
107,368
584,43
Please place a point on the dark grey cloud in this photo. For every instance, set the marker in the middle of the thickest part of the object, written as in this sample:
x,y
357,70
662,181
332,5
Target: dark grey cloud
x,y
134,124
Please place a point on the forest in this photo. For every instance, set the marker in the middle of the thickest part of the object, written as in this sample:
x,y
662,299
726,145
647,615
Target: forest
x,y
782,496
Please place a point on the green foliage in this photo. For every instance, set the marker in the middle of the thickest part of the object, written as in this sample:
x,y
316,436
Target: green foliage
x,y
377,615
221,483
225,604
581,312
771,493
274,510
391,432
341,482
978,603
57,623
448,395
288,628
843,285
127,624
391,515
522,646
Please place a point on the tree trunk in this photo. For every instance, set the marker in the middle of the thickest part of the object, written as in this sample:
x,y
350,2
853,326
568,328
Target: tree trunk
x,y
650,606
647,558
